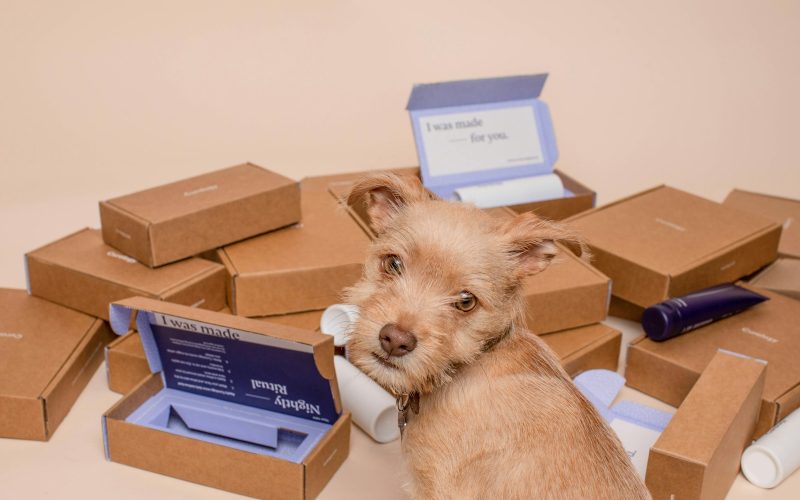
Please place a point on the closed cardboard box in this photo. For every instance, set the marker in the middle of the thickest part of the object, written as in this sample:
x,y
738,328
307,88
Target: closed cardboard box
x,y
697,456
126,364
782,276
185,218
299,268
769,331
586,348
82,272
48,353
783,211
664,243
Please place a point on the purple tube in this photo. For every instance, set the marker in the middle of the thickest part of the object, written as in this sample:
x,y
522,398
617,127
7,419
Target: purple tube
x,y
677,316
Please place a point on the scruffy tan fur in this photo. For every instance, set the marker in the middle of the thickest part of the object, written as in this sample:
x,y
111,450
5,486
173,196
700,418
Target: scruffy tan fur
x,y
506,422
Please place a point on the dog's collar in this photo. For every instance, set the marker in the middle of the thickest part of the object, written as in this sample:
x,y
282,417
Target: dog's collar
x,y
410,400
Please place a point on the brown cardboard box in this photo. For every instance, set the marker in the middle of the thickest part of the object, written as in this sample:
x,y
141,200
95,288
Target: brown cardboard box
x,y
126,364
48,353
185,218
782,276
299,268
568,294
668,370
783,211
220,466
621,308
697,456
586,348
82,272
664,242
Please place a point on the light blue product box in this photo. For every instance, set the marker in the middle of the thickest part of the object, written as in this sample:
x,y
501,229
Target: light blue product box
x,y
482,131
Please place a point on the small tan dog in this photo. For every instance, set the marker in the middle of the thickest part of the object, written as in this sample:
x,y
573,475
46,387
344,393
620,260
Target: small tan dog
x,y
490,412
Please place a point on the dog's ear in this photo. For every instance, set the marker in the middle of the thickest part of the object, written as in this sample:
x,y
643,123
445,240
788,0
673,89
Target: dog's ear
x,y
386,195
532,242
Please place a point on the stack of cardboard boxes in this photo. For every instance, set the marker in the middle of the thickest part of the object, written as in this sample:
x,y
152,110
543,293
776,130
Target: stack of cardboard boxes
x,y
248,242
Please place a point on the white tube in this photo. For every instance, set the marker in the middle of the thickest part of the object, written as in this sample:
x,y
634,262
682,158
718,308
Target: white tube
x,y
336,321
513,192
776,454
373,409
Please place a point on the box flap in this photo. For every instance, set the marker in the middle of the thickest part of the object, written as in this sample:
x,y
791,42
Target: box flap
x,y
36,339
479,91
249,362
199,193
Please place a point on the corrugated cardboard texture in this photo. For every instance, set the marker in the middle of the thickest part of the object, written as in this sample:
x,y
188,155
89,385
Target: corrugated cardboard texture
x,y
127,365
782,276
82,272
48,353
783,211
768,331
697,456
299,268
665,242
178,220
586,348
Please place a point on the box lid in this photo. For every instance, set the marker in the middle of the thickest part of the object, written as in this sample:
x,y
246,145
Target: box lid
x,y
767,331
249,362
783,211
478,91
85,251
199,193
327,237
36,339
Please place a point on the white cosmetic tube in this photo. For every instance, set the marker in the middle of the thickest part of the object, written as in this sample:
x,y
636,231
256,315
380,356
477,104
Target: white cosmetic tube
x,y
373,409
513,192
776,454
336,321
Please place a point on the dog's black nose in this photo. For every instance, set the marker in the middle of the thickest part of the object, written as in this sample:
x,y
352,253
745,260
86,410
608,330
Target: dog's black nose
x,y
396,341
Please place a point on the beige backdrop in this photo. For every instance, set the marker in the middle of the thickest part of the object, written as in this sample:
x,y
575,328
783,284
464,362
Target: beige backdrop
x,y
100,98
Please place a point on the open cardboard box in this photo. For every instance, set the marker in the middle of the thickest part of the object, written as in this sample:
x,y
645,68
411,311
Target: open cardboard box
x,y
768,331
246,406
82,272
664,243
783,211
299,268
48,353
126,363
185,218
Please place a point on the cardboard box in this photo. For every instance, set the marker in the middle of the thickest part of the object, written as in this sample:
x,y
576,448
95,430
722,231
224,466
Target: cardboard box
x,y
48,353
213,448
668,370
126,364
299,268
697,456
621,308
782,276
185,218
82,272
586,348
783,211
664,243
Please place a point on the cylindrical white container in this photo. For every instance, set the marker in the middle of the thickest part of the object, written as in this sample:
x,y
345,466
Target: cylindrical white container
x,y
373,409
336,321
513,192
776,454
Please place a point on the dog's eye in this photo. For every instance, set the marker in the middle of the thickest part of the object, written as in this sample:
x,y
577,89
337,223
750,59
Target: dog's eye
x,y
392,265
466,301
